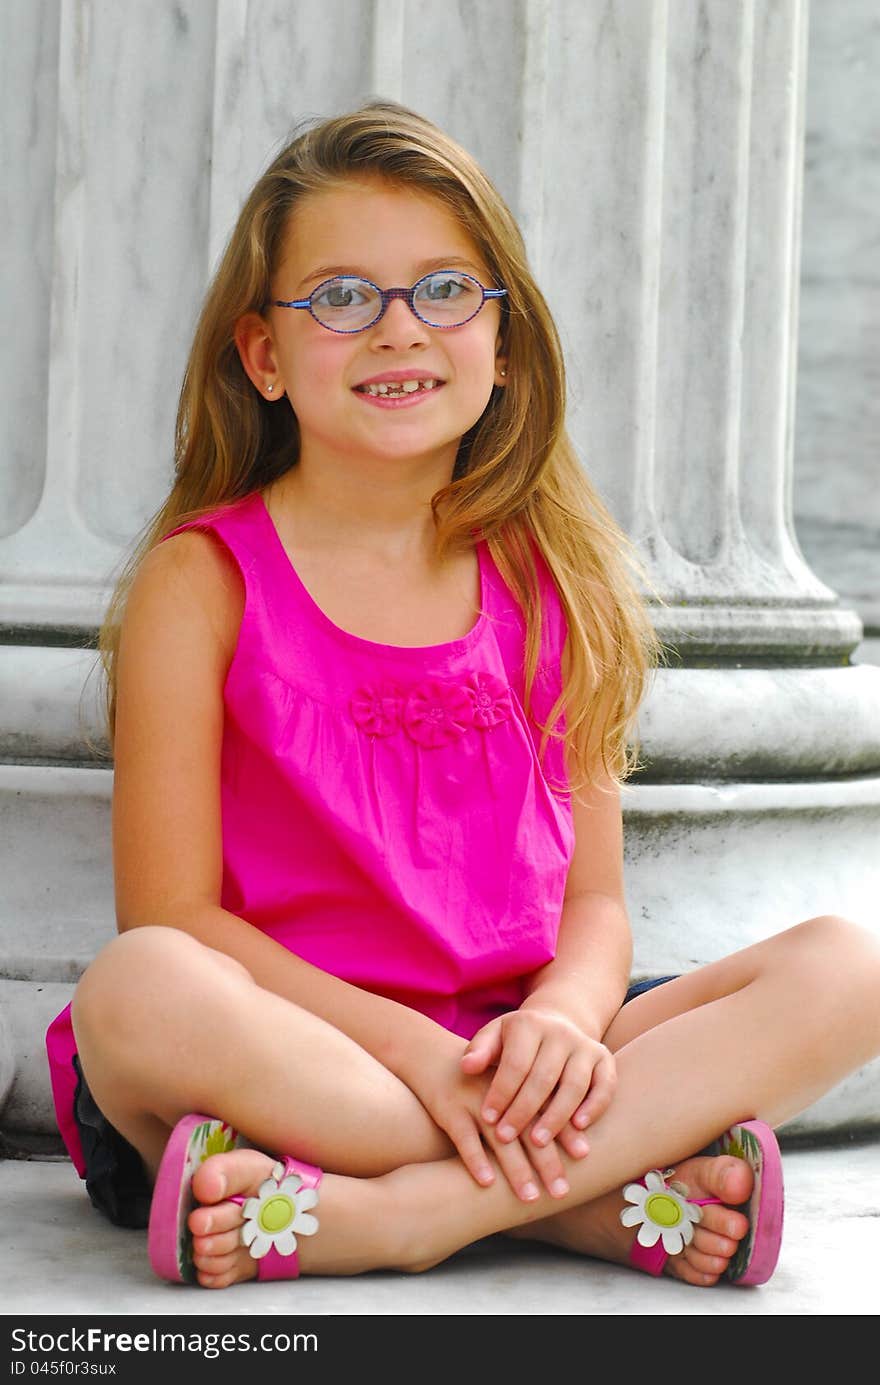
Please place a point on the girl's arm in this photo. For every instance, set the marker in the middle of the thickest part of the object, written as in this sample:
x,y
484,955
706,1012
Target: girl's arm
x,y
549,1055
588,978
178,636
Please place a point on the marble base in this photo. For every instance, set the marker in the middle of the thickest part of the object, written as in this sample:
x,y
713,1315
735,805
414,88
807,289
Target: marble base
x,y
738,724
710,868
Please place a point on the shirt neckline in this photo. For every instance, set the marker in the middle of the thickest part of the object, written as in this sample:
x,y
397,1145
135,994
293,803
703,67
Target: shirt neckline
x,y
451,647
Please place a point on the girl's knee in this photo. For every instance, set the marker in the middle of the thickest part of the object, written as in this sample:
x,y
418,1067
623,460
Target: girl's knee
x,y
126,975
831,932
833,950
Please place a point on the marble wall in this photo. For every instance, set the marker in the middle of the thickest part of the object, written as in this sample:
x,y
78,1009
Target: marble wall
x,y
645,146
837,440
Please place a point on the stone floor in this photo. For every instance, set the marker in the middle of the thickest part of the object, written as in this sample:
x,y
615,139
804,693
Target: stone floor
x,y
59,1257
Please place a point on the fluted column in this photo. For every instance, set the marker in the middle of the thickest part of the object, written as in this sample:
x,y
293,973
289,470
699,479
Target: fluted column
x,y
666,228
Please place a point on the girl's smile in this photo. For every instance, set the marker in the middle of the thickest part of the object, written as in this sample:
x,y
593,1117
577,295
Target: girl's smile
x,y
398,388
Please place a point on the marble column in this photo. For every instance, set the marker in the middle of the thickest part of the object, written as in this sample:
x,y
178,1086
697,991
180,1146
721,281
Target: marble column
x,y
759,801
652,152
837,472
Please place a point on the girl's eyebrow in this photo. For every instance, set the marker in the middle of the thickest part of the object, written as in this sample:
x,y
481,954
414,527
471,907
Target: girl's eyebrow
x,y
318,276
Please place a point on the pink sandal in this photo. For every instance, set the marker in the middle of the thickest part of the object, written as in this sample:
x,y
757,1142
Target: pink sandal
x,y
666,1216
271,1218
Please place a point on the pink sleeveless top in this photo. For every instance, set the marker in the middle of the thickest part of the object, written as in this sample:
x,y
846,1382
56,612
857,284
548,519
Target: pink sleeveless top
x,y
385,813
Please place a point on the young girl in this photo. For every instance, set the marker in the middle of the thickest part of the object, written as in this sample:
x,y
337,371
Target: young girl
x,y
372,679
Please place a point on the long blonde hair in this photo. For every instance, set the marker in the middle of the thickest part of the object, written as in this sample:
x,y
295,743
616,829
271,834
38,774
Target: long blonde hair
x,y
516,481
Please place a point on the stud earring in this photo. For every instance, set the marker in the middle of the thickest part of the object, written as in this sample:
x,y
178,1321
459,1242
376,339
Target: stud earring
x,y
503,374
269,389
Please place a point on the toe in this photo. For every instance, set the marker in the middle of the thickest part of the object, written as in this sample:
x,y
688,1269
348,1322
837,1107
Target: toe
x,y
219,1271
225,1244
733,1179
236,1174
724,1224
219,1217
722,1176
695,1268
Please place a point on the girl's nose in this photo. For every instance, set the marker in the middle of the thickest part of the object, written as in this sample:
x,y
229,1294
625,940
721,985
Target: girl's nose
x,y
398,327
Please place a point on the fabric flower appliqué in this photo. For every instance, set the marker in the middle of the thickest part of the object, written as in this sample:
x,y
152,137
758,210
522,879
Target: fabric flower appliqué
x,y
660,1210
437,713
491,699
376,708
279,1209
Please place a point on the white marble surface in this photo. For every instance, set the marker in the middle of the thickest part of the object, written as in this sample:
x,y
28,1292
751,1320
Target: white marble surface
x,y
51,704
760,856
28,119
837,452
56,869
652,151
761,723
68,1260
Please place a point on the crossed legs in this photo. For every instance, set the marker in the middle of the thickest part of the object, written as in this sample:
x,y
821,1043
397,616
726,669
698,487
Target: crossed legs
x,y
762,1033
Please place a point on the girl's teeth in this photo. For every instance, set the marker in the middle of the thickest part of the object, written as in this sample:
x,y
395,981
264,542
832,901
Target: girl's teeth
x,y
395,391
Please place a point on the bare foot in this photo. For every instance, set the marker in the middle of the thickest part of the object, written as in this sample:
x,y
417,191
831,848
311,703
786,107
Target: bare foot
x,y
595,1228
221,1259
218,1254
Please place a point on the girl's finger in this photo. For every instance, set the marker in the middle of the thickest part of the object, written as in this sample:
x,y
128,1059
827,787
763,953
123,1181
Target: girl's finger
x,y
600,1094
533,1094
472,1152
578,1077
483,1050
547,1162
515,1064
528,1170
573,1141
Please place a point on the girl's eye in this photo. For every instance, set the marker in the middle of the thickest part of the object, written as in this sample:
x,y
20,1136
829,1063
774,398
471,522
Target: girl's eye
x,y
339,293
440,288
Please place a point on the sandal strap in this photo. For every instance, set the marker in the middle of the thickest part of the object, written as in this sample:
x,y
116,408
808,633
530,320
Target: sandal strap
x,y
653,1258
273,1265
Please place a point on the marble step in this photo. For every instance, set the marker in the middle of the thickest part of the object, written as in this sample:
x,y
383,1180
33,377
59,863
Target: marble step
x,y
56,911
710,867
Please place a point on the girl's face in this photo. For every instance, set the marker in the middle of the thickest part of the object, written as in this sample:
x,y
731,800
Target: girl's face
x,y
392,237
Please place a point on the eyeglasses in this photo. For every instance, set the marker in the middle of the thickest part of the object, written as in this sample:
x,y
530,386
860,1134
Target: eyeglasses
x,y
348,303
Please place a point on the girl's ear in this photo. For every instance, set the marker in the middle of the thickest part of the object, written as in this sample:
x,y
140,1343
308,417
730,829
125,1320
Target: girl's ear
x,y
501,371
256,349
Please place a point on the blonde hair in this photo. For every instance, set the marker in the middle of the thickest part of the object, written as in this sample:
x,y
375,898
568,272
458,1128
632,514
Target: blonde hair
x,y
516,481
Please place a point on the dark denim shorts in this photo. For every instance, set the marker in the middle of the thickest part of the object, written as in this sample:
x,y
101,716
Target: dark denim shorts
x,y
116,1180
639,987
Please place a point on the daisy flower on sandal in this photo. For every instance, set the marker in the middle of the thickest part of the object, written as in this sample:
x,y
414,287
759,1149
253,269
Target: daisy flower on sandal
x,y
660,1211
279,1209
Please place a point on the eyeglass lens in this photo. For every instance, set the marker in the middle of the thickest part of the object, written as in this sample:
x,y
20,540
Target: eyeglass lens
x,y
443,299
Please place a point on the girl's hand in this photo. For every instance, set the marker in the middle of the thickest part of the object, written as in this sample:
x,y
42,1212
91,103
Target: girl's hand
x,y
547,1072
454,1102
